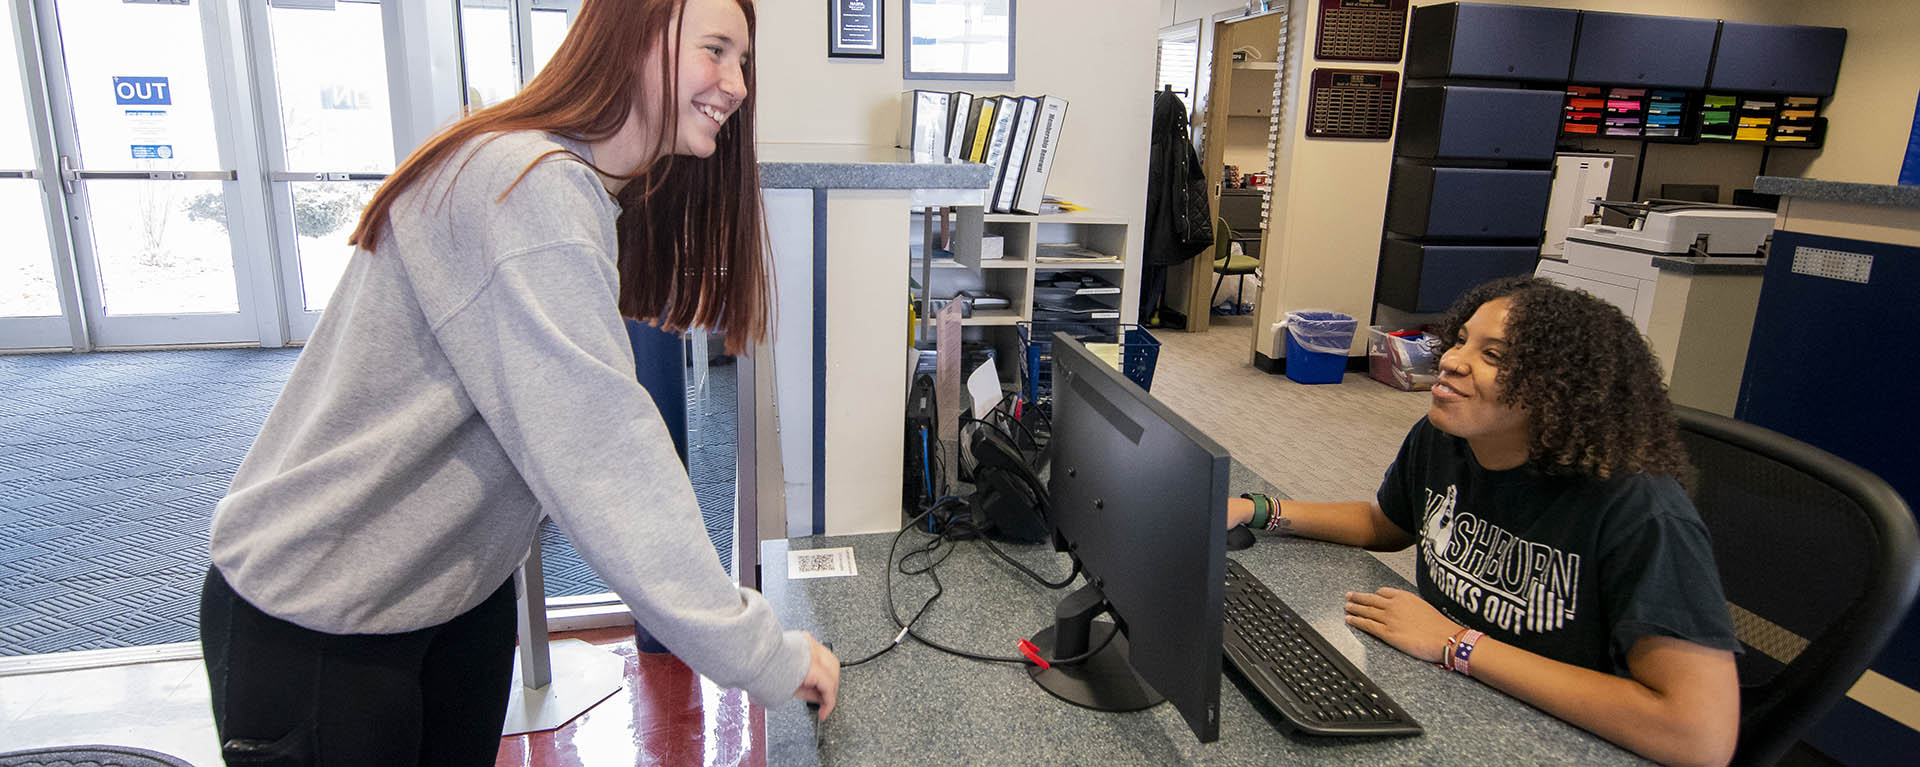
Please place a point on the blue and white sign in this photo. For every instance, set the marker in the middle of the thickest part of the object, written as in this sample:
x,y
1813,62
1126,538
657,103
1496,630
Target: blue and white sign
x,y
142,90
152,151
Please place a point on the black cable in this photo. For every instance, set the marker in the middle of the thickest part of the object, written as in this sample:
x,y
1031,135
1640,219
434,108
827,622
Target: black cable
x,y
1082,657
889,580
945,536
1008,417
1074,573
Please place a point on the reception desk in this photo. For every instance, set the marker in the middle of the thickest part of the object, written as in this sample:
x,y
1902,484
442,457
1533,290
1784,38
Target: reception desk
x,y
916,704
822,405
1831,365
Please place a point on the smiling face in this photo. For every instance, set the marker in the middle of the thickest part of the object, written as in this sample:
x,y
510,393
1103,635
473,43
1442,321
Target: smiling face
x,y
710,82
1466,398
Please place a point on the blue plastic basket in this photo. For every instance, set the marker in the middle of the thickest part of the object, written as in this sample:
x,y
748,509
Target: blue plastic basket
x,y
1139,350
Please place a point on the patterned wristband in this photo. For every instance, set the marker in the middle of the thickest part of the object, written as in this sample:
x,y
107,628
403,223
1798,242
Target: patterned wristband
x,y
1463,653
1275,522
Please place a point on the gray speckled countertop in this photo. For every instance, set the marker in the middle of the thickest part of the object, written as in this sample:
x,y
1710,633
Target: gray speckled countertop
x,y
1840,191
1710,265
917,705
848,166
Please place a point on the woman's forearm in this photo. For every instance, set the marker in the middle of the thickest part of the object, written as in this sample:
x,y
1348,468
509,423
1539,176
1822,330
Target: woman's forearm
x,y
1686,711
1357,523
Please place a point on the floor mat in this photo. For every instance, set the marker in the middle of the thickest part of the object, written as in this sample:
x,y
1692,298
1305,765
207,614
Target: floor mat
x,y
111,463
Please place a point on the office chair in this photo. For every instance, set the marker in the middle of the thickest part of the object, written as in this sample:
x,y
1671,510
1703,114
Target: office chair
x,y
1225,263
1819,559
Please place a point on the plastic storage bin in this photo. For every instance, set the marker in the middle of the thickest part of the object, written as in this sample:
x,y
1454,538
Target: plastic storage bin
x,y
1317,344
1405,360
1138,351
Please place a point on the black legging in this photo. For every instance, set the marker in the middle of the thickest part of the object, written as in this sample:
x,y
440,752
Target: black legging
x,y
286,695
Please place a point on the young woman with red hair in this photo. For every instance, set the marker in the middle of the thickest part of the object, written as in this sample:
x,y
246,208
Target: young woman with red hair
x,y
472,374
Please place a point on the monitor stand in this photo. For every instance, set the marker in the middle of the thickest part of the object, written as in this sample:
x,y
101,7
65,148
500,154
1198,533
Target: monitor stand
x,y
1104,682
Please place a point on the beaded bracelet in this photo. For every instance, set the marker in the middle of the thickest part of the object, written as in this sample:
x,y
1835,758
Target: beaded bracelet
x,y
1446,654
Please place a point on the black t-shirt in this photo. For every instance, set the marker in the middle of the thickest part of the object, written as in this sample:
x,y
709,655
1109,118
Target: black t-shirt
x,y
1572,568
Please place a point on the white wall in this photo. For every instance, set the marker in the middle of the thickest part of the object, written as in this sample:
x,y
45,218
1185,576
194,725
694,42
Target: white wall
x,y
1097,56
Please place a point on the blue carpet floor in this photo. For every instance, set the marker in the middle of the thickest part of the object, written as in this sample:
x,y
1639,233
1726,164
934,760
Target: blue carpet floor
x,y
111,463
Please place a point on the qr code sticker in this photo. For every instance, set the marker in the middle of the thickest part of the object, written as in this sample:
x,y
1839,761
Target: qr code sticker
x,y
820,563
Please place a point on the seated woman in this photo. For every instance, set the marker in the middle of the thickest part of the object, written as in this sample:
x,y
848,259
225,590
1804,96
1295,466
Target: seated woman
x,y
1560,560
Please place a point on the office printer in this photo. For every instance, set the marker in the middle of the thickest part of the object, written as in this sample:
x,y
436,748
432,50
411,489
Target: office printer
x,y
1675,228
1615,263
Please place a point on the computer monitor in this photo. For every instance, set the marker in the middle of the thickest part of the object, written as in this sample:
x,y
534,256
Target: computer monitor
x,y
1138,497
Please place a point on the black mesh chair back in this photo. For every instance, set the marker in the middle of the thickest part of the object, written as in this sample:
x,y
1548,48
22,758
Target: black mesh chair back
x,y
1820,562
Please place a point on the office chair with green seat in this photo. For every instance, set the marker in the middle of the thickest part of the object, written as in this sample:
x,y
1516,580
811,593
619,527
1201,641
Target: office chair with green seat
x,y
1819,559
1226,264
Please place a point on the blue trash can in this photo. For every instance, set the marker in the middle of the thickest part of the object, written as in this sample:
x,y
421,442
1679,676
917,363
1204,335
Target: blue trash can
x,y
1317,344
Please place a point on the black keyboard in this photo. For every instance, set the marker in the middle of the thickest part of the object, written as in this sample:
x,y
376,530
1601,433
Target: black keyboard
x,y
1312,686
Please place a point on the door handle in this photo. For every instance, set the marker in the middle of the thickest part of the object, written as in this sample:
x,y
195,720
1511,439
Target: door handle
x,y
66,174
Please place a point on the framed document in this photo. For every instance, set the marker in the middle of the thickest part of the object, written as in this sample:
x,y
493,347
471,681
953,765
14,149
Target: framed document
x,y
855,29
959,39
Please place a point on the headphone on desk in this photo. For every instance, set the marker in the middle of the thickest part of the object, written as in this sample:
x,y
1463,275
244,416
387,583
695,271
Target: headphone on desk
x,y
1009,500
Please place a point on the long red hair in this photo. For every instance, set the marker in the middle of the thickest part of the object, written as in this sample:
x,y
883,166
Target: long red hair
x,y
692,238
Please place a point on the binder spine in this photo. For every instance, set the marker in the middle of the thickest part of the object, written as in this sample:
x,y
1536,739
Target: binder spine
x,y
1046,143
1016,155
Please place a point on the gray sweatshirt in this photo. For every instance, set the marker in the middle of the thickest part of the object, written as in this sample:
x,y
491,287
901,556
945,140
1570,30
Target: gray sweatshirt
x,y
469,375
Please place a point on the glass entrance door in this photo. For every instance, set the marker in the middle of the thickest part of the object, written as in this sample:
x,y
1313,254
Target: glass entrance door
x,y
140,130
31,314
325,80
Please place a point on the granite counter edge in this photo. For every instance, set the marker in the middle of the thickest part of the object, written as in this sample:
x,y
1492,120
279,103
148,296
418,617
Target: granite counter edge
x,y
1840,191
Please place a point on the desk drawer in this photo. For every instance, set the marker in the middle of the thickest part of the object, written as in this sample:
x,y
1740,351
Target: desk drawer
x,y
1460,122
1468,203
1504,42
1422,277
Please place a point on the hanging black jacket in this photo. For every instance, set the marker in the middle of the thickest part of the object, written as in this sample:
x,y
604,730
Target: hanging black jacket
x,y
1179,221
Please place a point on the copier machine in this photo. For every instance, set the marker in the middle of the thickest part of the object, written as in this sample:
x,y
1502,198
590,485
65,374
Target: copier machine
x,y
1615,263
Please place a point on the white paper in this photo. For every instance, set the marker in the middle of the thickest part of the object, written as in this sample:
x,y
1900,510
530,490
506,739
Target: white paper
x,y
820,563
984,386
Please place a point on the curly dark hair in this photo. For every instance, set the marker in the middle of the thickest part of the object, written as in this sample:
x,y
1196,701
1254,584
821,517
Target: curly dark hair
x,y
1585,376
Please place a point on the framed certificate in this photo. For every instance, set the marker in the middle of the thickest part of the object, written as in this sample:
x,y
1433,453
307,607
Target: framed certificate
x,y
855,29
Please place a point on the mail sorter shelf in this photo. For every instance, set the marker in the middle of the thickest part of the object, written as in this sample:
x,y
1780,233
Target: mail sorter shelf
x,y
1503,42
1020,272
1425,277
1455,122
1643,51
1430,202
1762,118
1010,284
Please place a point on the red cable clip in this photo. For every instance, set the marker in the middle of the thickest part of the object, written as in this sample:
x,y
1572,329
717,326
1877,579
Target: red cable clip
x,y
1033,654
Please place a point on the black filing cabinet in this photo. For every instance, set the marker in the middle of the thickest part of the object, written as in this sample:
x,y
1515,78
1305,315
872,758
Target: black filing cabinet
x,y
1425,277
1469,123
1500,42
1650,51
1439,202
1778,59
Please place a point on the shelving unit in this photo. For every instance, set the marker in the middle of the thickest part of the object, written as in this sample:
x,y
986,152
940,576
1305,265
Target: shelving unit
x,y
1020,273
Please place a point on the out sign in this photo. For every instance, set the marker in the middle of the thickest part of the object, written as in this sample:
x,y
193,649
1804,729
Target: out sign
x,y
141,90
